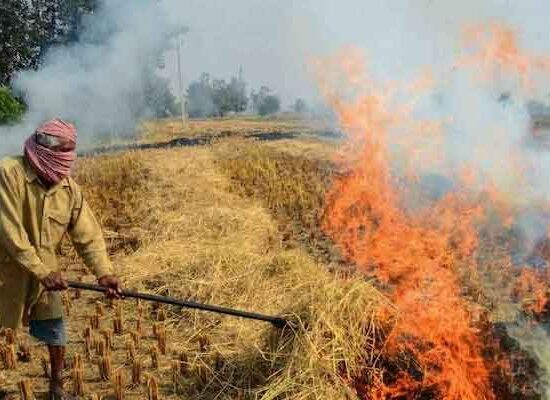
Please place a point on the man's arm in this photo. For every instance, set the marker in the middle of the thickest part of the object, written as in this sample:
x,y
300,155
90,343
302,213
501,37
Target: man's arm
x,y
13,236
88,240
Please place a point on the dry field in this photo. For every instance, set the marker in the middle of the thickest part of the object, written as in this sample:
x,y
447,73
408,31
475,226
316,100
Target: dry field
x,y
231,224
163,130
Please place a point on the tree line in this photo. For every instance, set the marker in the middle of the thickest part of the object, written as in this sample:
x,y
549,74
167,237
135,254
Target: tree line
x,y
29,28
208,97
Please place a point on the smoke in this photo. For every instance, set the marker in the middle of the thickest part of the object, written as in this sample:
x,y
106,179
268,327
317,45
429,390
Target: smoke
x,y
97,83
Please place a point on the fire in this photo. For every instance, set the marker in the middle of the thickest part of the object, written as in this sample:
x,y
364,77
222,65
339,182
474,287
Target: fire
x,y
495,50
420,256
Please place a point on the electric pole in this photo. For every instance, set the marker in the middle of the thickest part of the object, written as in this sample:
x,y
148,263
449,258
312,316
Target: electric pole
x,y
180,80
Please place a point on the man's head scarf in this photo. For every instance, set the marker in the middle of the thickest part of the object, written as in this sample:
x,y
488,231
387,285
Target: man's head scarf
x,y
50,165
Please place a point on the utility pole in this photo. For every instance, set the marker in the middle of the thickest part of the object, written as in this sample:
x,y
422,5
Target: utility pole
x,y
180,80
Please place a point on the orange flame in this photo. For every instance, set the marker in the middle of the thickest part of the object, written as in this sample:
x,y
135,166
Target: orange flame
x,y
495,49
419,256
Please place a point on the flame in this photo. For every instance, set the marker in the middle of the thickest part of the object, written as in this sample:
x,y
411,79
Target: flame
x,y
495,50
421,256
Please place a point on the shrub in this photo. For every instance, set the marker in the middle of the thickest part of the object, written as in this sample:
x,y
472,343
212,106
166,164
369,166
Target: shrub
x,y
11,110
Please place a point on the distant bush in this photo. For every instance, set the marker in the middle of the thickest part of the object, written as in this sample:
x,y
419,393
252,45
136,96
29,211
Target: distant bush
x,y
11,110
300,106
216,98
264,102
270,105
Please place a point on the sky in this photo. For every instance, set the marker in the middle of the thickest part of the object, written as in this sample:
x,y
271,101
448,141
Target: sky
x,y
274,40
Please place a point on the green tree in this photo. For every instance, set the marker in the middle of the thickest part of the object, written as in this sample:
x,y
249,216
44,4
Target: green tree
x,y
208,98
29,28
19,39
264,102
11,110
199,98
238,100
221,97
159,99
270,105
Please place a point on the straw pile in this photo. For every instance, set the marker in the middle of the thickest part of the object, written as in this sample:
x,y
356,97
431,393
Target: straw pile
x,y
191,235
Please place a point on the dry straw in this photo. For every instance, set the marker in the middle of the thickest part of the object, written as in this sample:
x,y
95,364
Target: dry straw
x,y
67,304
212,243
118,321
161,339
77,374
108,337
154,353
105,368
9,356
25,390
24,354
99,309
130,352
88,345
11,336
94,322
176,370
137,368
118,384
45,364
152,388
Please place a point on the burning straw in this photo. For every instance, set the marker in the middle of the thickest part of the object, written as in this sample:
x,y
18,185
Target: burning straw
x,y
426,253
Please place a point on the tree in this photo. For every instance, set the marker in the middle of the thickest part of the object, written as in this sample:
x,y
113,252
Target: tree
x,y
238,101
29,28
270,105
199,98
265,103
259,97
19,40
73,12
300,106
159,99
10,109
221,97
208,98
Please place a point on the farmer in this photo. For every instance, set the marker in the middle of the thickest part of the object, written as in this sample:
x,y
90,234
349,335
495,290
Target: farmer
x,y
39,203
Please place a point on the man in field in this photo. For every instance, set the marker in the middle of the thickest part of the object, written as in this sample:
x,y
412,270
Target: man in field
x,y
39,203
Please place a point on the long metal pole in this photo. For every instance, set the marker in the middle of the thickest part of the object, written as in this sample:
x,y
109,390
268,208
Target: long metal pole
x,y
277,321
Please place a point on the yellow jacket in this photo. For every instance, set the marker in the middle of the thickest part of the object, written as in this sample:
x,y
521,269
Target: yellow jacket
x,y
33,220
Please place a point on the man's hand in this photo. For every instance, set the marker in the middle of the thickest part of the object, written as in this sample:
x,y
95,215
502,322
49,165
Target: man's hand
x,y
54,282
113,286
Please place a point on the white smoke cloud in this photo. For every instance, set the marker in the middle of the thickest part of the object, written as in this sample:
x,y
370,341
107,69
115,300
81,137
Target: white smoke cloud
x,y
96,83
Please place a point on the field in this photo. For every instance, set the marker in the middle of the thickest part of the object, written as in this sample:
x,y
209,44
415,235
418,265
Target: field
x,y
233,223
281,224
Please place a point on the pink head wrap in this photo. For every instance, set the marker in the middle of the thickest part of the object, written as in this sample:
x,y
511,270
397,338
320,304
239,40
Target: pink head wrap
x,y
50,165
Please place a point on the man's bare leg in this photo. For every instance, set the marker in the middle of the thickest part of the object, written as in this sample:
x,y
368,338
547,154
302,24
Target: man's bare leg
x,y
57,363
